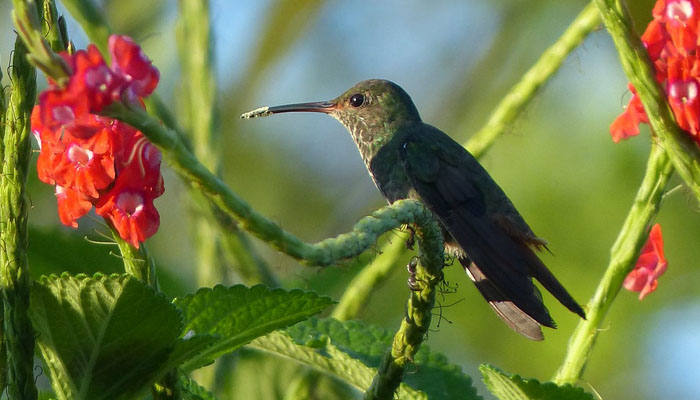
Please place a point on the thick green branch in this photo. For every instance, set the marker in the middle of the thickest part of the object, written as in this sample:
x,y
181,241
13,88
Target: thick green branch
x,y
684,153
520,95
622,258
416,322
14,269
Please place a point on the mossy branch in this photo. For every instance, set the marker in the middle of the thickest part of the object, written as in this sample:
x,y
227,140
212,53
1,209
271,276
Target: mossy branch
x,y
623,255
15,281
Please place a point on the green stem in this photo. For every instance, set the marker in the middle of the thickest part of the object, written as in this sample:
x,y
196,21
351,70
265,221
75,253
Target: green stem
x,y
524,91
14,269
624,252
137,263
684,153
416,322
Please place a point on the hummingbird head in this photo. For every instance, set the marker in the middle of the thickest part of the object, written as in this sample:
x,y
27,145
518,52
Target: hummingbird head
x,y
372,110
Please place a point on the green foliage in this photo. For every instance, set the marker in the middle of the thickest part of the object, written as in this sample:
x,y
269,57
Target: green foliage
x,y
513,387
102,337
93,329
192,391
236,315
352,351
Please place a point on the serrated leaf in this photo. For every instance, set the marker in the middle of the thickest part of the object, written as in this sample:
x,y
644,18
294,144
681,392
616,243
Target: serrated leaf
x,y
102,337
238,314
514,387
329,360
431,372
192,391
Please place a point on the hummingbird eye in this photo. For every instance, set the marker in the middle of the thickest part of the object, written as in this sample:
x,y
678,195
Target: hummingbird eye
x,y
357,99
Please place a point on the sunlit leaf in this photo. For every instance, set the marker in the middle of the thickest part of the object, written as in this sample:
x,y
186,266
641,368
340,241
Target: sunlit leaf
x,y
238,314
102,337
352,350
513,387
326,358
192,391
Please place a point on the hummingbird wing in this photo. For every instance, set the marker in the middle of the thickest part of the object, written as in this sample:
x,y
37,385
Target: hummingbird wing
x,y
485,225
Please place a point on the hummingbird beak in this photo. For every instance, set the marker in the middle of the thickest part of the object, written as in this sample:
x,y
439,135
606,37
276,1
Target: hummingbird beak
x,y
319,106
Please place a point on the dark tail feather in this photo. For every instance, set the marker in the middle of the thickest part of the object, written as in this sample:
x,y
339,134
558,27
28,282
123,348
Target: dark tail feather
x,y
510,313
540,272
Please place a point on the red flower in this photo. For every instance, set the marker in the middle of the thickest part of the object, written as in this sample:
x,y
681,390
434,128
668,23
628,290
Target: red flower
x,y
672,41
133,65
131,212
71,205
94,160
650,265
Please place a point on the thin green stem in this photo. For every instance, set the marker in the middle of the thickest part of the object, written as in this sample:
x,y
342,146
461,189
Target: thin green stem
x,y
624,252
14,269
684,153
137,263
520,95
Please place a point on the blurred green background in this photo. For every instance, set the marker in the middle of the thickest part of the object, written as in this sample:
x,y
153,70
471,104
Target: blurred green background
x,y
457,59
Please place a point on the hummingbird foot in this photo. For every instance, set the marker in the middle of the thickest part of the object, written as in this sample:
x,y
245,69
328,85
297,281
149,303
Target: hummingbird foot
x,y
412,280
411,241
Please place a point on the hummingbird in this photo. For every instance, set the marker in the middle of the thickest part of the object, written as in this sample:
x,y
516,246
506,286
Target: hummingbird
x,y
409,159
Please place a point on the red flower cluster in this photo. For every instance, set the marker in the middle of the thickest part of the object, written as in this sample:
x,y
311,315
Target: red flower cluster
x,y
672,40
650,265
94,160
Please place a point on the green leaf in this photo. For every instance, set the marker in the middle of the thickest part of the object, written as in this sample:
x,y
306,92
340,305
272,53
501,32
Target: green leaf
x,y
102,337
327,358
238,314
192,391
513,387
432,373
352,350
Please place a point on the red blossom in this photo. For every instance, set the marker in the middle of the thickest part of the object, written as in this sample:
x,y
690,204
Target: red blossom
x,y
672,41
651,264
71,205
94,160
129,61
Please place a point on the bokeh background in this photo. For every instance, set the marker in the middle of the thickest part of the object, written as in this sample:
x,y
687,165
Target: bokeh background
x,y
457,59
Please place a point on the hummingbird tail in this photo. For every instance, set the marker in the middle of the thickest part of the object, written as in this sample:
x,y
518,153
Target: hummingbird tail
x,y
505,308
540,272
